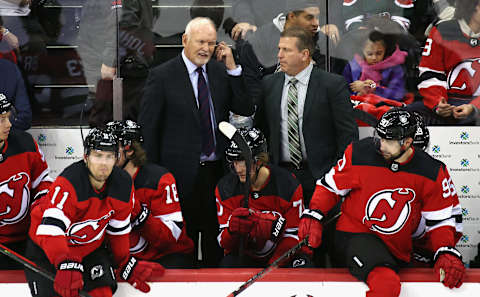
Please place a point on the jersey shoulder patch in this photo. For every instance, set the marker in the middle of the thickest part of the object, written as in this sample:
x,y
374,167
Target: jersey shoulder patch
x,y
450,30
284,182
20,142
229,186
364,153
119,185
149,175
424,165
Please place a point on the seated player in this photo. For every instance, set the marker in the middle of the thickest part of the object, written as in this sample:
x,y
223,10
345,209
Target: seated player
x,y
268,226
23,179
158,231
388,185
89,202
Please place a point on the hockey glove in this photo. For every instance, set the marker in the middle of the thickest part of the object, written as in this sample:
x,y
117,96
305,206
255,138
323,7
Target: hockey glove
x,y
69,277
311,226
137,273
449,267
267,226
239,222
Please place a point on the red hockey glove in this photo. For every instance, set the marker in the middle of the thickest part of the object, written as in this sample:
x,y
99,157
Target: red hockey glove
x,y
69,277
137,273
449,267
311,226
239,222
267,226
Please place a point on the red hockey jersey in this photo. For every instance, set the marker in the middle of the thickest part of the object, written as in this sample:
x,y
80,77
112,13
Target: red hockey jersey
x,y
74,217
23,178
281,195
390,203
450,66
163,232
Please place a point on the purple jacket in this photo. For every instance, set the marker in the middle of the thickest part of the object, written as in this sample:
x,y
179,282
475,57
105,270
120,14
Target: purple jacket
x,y
392,84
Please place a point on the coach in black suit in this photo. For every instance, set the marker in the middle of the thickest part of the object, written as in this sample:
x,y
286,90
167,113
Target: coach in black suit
x,y
325,122
185,99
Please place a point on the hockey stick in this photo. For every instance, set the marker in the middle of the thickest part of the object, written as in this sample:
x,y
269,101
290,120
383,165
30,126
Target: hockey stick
x,y
32,266
232,133
275,263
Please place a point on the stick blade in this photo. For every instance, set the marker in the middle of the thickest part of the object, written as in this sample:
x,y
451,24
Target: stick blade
x,y
227,129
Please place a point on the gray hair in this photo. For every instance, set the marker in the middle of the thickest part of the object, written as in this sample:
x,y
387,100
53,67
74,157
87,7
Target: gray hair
x,y
197,22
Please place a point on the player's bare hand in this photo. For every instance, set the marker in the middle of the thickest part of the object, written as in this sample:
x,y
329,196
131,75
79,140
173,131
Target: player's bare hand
x,y
108,72
444,109
224,54
11,39
462,111
332,32
240,30
357,86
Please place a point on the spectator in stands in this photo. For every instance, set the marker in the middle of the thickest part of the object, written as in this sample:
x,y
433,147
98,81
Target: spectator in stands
x,y
448,69
13,87
23,179
158,232
8,43
185,99
379,68
47,68
356,12
99,50
268,222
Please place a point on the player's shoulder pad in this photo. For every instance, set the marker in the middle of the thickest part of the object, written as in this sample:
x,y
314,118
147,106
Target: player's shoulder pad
x,y
119,185
285,182
229,186
20,142
149,175
450,30
425,165
77,175
364,153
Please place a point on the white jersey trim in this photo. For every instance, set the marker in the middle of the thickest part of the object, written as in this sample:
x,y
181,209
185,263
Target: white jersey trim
x,y
123,225
50,230
169,220
41,178
58,214
432,82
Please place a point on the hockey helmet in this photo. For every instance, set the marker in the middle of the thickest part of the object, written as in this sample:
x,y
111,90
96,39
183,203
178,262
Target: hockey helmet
x,y
396,124
126,131
422,135
100,139
255,140
5,105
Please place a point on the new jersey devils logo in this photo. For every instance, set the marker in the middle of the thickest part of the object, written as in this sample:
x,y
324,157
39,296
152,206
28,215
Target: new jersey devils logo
x,y
14,199
465,77
89,230
388,210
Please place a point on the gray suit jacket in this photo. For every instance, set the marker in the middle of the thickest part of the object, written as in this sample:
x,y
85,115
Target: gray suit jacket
x,y
328,121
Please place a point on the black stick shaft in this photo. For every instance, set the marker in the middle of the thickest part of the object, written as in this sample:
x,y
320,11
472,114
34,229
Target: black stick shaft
x,y
275,263
32,266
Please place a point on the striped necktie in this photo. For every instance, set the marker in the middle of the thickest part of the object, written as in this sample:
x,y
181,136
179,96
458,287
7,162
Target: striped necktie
x,y
208,144
293,130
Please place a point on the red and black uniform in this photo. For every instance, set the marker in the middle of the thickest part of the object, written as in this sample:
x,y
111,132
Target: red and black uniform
x,y
388,203
450,66
24,177
163,232
74,219
281,195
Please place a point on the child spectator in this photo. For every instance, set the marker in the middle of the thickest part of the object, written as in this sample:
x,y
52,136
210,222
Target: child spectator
x,y
379,70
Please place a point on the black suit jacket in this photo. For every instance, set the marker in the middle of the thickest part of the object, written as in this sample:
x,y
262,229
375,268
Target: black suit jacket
x,y
170,119
328,122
